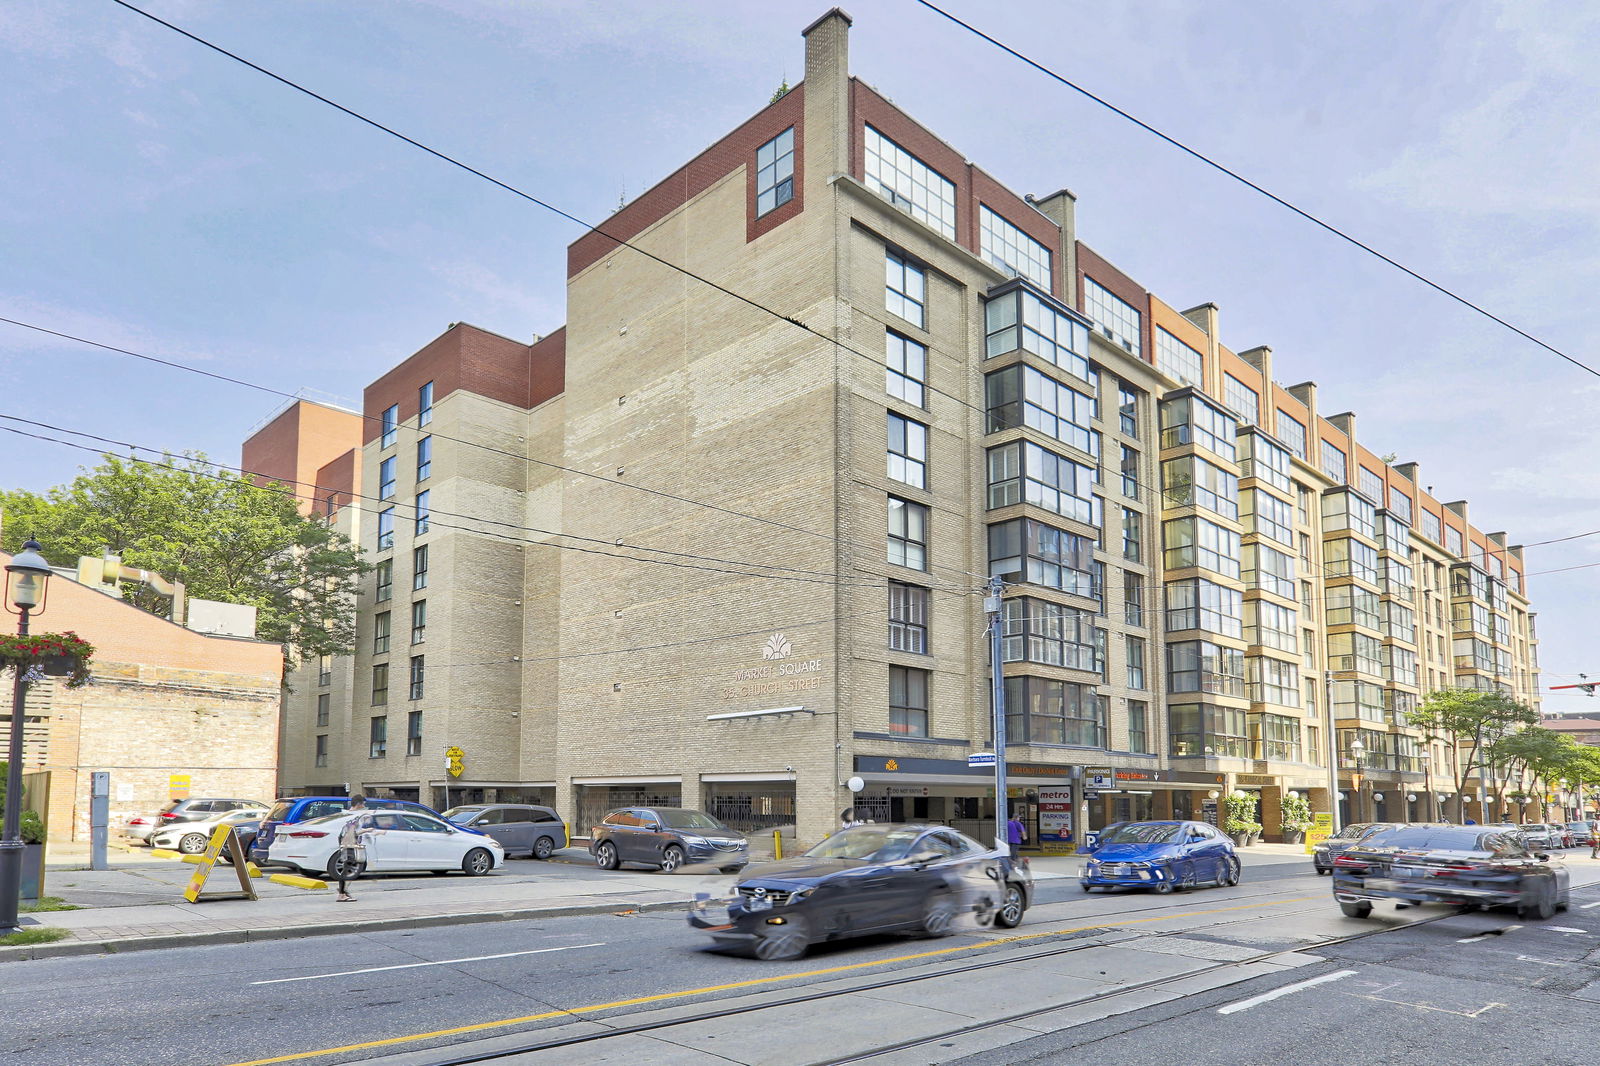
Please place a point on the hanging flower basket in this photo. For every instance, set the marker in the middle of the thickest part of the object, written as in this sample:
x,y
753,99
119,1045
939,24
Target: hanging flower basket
x,y
49,655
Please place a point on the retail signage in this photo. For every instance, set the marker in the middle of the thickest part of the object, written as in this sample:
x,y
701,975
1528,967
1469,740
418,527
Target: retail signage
x,y
1321,829
1055,820
1099,777
781,671
178,786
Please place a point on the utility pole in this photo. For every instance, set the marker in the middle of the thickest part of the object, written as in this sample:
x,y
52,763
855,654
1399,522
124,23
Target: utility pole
x,y
1333,749
991,604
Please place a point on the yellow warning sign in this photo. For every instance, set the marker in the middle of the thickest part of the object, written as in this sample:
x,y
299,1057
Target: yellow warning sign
x,y
222,836
452,760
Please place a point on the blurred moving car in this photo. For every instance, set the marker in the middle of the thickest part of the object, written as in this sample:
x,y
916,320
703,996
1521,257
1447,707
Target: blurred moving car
x,y
1581,833
517,826
291,809
867,879
191,838
1160,855
141,826
1324,852
1461,865
1540,835
405,840
667,837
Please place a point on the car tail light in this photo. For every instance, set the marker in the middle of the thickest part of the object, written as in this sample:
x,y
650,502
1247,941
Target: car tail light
x,y
168,816
313,833
1352,864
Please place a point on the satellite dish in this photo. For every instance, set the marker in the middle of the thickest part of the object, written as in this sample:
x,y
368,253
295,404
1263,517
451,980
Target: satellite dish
x,y
855,784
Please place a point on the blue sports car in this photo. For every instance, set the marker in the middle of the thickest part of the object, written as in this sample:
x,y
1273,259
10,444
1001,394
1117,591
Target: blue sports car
x,y
1159,855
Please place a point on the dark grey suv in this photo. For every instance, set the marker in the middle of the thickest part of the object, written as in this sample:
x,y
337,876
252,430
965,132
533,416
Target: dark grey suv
x,y
667,837
518,827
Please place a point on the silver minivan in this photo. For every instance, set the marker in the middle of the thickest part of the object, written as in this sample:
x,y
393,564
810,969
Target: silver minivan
x,y
519,827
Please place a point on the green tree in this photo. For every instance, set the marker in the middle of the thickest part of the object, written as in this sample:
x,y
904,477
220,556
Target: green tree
x,y
1532,755
1471,719
222,535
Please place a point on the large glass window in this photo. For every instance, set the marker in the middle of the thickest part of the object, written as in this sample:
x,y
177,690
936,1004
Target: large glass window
x,y
775,172
419,621
908,701
1399,622
1190,479
1346,557
1021,396
322,749
1201,666
384,573
414,733
425,404
1270,626
1363,700
1400,664
1333,463
419,568
1025,550
1275,736
1192,420
1132,534
422,512
1370,482
1269,569
1116,318
905,291
1267,515
908,534
1343,509
391,423
1023,471
1355,652
424,458
1196,542
1139,727
1354,605
380,633
1128,409
1244,400
1135,650
416,677
908,618
1132,598
380,684
378,737
1019,319
1264,460
906,369
1046,711
1201,604
1293,433
386,478
1129,468
1431,527
1177,360
1198,730
323,700
1038,631
1452,541
1272,681
908,451
1013,251
910,184
1400,505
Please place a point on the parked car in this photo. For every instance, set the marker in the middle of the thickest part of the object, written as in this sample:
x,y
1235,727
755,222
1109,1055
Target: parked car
x,y
141,826
1559,831
1539,835
1462,865
1581,833
292,809
870,878
1325,851
517,826
1160,855
666,837
405,840
192,838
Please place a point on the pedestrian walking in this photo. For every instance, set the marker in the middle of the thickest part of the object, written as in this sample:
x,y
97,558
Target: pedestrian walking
x,y
1016,835
850,817
352,845
1594,839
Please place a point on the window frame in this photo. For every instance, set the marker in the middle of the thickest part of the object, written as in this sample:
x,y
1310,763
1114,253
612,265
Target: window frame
x,y
779,184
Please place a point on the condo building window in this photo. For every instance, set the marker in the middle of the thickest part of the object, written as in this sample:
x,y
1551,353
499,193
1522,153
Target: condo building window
x,y
1129,468
1431,527
416,677
380,633
390,424
1043,710
1128,409
324,671
1400,622
1343,509
1132,598
910,184
414,733
425,404
424,458
422,512
1023,471
1275,736
1452,541
1116,318
1022,396
1272,681
1355,652
1267,515
775,172
380,684
419,568
384,573
1197,730
1244,400
1177,360
1201,666
1267,625
1346,557
1139,727
1023,550
1191,480
1191,420
1362,700
1333,463
386,529
1396,578
1308,641
908,451
1132,535
322,749
1269,569
1266,461
1370,483
1135,646
323,700
1196,542
908,701
1200,604
1013,251
1038,631
1022,320
386,478
1400,665
906,375
378,737
1400,506
908,534
419,621
1293,433
905,289
908,618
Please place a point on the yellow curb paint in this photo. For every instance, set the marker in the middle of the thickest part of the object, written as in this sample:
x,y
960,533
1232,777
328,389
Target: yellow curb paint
x,y
573,1013
252,869
163,853
296,881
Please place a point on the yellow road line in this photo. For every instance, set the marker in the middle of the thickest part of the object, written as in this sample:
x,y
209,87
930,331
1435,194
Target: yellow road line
x,y
573,1012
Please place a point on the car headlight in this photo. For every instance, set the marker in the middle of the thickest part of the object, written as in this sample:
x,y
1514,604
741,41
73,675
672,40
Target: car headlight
x,y
801,893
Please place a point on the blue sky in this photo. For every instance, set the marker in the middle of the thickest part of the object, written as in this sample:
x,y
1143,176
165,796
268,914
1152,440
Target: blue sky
x,y
158,197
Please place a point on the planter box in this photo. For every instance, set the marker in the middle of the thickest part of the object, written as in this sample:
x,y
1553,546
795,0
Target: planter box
x,y
1293,836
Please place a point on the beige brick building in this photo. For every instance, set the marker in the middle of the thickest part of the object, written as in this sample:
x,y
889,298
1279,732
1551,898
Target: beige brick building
x,y
730,551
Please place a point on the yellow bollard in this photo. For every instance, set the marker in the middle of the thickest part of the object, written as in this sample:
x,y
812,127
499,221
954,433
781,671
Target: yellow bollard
x,y
295,881
777,844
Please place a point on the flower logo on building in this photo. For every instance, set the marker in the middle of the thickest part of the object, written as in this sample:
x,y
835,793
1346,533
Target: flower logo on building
x,y
891,765
776,647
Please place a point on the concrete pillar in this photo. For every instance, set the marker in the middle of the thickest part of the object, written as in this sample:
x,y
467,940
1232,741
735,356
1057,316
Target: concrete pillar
x,y
1271,813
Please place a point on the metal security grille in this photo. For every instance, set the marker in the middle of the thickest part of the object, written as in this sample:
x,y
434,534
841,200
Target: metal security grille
x,y
751,810
596,801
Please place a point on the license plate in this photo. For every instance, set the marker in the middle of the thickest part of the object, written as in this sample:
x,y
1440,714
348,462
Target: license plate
x,y
758,903
1408,871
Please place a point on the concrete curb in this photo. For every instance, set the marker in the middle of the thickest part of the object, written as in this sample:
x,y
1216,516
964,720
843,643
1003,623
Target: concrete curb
x,y
71,948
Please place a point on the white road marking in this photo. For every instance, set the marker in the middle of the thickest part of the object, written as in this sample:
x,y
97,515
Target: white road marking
x,y
1473,939
1586,906
1562,929
1276,993
414,965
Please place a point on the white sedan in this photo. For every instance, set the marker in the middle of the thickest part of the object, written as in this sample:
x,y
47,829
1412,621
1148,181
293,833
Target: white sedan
x,y
398,840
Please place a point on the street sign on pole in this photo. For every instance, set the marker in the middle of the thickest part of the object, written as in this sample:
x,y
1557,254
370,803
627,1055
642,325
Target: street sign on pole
x,y
981,758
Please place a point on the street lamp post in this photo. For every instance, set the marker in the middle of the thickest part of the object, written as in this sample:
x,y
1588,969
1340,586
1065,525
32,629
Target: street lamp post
x,y
1357,750
1427,781
26,577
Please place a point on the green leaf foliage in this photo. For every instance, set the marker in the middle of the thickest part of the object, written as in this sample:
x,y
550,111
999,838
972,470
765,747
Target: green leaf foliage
x,y
222,535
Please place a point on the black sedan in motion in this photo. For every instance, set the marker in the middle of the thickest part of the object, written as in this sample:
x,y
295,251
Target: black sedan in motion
x,y
1325,851
1461,865
871,878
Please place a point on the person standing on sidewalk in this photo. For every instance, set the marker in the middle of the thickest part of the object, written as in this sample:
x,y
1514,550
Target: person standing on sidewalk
x,y
1594,839
352,847
1016,834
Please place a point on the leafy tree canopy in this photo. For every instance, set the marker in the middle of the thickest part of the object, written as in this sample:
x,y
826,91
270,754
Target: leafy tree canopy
x,y
222,535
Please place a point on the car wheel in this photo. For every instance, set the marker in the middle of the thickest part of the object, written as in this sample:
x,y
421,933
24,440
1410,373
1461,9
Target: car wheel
x,y
543,848
477,863
779,942
1230,873
939,916
1543,907
1323,873
1164,887
1012,906
1362,909
339,869
605,856
671,859
192,843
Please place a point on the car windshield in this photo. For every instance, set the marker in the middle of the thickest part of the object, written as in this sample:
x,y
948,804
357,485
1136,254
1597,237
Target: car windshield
x,y
1143,833
461,814
1434,838
675,818
279,811
872,843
